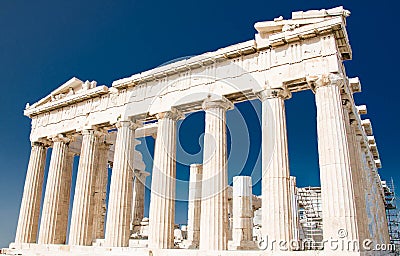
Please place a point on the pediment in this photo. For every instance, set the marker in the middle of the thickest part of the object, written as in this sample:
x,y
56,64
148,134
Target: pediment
x,y
73,86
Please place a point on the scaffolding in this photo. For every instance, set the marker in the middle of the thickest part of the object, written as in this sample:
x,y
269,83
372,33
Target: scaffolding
x,y
392,213
310,215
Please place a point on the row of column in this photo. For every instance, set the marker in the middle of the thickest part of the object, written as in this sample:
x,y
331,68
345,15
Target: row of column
x,y
90,186
336,168
342,182
89,208
213,204
345,180
374,220
214,180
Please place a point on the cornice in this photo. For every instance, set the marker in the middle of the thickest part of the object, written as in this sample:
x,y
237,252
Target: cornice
x,y
91,93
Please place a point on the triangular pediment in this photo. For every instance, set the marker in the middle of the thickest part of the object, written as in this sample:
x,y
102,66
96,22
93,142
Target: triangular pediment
x,y
72,87
72,84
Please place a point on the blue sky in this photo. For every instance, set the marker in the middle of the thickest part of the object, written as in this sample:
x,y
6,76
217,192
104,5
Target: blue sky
x,y
44,43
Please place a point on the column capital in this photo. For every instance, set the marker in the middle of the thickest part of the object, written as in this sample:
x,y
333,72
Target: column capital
x,y
41,143
88,132
217,103
173,114
317,81
46,142
126,123
274,93
95,132
61,138
37,143
196,168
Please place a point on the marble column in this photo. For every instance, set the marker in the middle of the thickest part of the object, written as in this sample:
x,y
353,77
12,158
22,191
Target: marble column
x,y
229,193
385,224
377,206
294,208
52,225
385,227
242,232
214,208
82,211
370,197
363,182
28,220
162,200
374,205
337,195
100,191
194,205
276,196
66,195
356,173
120,197
139,182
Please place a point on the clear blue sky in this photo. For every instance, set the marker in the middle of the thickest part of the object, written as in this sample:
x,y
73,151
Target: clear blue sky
x,y
44,43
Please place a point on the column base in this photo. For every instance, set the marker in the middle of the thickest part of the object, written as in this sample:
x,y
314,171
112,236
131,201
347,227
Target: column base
x,y
242,245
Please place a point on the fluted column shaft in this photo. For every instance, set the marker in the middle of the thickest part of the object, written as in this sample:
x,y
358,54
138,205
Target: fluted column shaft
x,y
363,182
163,184
83,206
376,206
383,227
138,197
242,210
356,175
214,204
370,198
335,172
294,208
52,226
194,204
28,220
66,195
276,196
120,198
378,226
100,191
230,214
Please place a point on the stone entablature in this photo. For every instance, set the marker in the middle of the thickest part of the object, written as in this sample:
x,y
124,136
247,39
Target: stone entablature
x,y
236,72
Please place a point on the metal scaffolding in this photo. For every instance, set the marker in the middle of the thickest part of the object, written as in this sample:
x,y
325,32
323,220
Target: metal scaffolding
x,y
392,213
310,214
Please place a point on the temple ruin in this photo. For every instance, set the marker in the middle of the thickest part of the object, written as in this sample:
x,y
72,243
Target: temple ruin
x,y
101,124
